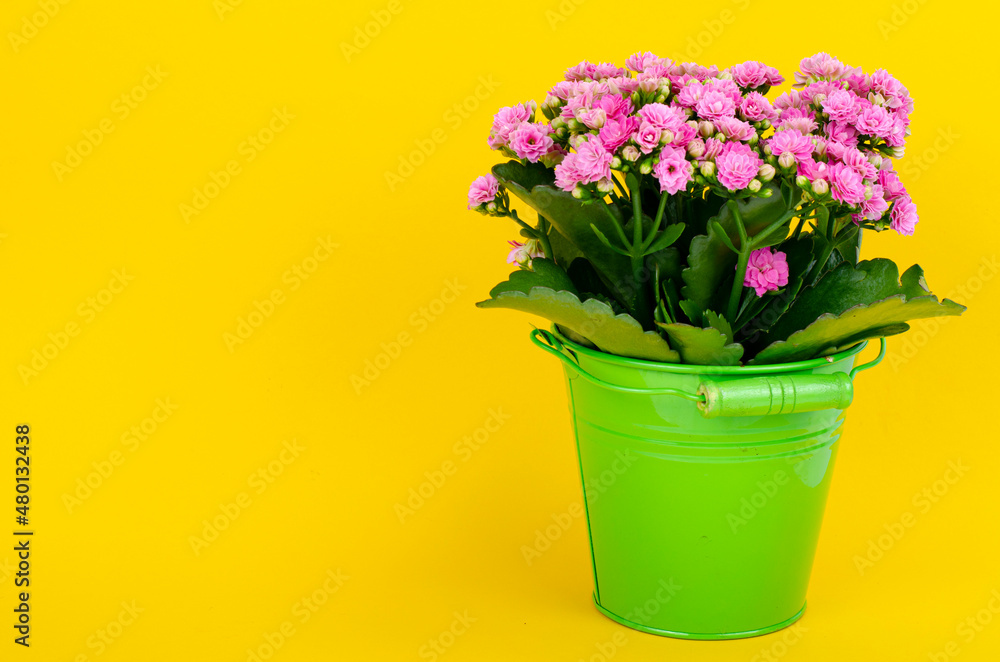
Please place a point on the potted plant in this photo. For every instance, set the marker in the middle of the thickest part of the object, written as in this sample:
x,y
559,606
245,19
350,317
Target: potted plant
x,y
696,250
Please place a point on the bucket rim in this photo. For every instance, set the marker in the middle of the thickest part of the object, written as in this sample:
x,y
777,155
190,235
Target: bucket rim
x,y
691,369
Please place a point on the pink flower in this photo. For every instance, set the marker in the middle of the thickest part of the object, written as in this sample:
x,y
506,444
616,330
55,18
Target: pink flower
x,y
607,70
531,141
713,148
857,161
802,120
816,92
813,170
616,106
661,116
726,86
583,71
590,163
841,106
639,61
845,184
904,216
875,121
894,188
790,99
648,137
683,135
751,75
689,95
801,146
523,254
822,66
734,129
841,133
737,165
593,118
766,271
755,107
673,171
484,190
616,133
714,104
873,208
506,120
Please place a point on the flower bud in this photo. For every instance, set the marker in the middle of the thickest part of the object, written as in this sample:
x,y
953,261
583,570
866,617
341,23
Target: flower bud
x,y
875,159
754,185
577,139
491,207
696,148
820,187
708,169
631,153
573,125
765,173
801,181
767,193
616,163
580,193
754,139
605,186
646,166
660,98
724,75
786,160
876,98
666,137
765,125
819,99
869,192
706,128
897,152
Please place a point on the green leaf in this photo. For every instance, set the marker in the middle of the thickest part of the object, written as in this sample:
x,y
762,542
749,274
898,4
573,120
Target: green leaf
x,y
719,323
844,287
837,331
702,346
710,262
669,235
691,309
573,218
587,280
592,320
606,242
543,273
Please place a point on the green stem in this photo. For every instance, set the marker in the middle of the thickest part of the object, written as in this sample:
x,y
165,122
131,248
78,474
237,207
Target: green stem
x,y
759,238
741,264
543,228
641,300
636,217
656,222
618,226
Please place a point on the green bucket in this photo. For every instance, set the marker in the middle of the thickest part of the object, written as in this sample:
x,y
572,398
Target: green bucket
x,y
704,486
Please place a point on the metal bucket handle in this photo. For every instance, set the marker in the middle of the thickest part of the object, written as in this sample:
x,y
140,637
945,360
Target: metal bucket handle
x,y
752,396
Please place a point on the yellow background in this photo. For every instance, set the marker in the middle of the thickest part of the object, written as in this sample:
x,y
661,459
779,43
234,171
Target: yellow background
x,y
403,251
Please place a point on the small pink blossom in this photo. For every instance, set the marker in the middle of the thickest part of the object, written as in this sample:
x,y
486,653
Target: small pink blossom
x,y
903,216
875,120
689,95
523,254
845,184
590,163
755,107
801,146
714,104
616,133
857,161
506,120
662,116
673,171
737,165
484,190
822,66
583,71
640,61
873,208
592,118
813,170
734,129
766,271
889,180
841,106
752,74
531,141
802,120
607,70
616,106
648,137
683,135
841,133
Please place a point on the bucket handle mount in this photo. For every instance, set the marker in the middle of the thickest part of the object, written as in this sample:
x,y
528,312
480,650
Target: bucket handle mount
x,y
757,395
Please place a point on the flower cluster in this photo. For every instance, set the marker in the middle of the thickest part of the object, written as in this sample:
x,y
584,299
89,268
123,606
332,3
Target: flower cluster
x,y
833,135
